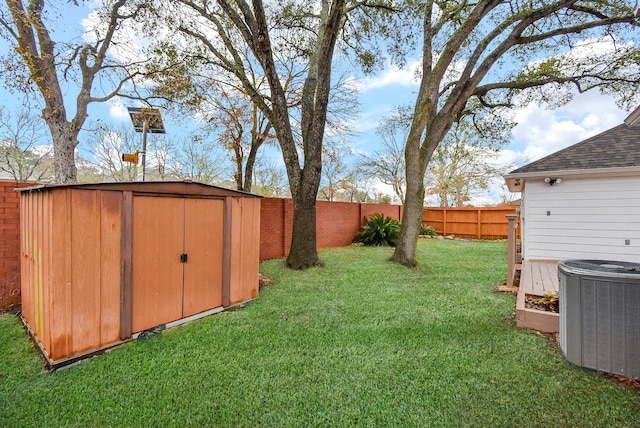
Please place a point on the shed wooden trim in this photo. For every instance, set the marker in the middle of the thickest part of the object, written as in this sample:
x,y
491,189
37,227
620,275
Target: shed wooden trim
x,y
176,188
126,271
226,253
61,244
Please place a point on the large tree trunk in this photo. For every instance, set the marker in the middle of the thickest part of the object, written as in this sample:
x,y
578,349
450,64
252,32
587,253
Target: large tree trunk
x,y
304,253
304,180
417,157
248,174
66,140
405,252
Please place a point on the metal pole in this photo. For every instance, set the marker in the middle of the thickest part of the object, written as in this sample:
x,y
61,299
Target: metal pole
x,y
144,149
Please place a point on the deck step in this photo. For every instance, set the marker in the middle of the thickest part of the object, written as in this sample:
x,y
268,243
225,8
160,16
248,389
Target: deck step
x,y
538,277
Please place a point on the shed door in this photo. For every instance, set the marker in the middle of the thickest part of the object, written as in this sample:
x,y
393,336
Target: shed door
x,y
203,238
164,288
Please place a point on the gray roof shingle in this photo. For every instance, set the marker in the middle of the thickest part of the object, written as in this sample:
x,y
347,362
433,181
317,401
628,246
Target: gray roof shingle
x,y
618,147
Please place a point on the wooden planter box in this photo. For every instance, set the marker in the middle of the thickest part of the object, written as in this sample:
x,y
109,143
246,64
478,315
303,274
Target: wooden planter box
x,y
103,262
544,321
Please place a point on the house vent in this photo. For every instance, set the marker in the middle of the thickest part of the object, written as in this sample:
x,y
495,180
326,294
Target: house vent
x,y
600,315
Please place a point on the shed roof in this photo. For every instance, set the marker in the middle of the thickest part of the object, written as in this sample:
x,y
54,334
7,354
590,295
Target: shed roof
x,y
159,187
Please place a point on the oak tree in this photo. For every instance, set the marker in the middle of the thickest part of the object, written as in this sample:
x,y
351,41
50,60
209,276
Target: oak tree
x,y
479,56
242,130
67,75
221,30
192,84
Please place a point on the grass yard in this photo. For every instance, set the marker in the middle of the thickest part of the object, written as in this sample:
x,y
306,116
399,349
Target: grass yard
x,y
360,342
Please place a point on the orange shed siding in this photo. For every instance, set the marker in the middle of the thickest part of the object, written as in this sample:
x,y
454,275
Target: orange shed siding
x,y
60,263
111,226
245,249
85,269
58,337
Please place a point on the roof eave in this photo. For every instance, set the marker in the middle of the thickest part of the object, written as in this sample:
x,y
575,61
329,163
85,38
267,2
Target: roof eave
x,y
515,181
634,118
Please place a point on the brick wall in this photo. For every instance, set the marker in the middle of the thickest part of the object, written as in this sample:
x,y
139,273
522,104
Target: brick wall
x,y
10,245
336,223
276,216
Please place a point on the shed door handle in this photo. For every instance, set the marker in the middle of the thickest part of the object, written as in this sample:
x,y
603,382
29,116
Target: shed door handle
x,y
183,258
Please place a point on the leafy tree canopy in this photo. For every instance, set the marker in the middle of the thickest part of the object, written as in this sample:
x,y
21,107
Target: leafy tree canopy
x,y
487,55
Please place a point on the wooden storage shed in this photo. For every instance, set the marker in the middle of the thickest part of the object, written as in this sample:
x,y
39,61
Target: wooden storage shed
x,y
103,262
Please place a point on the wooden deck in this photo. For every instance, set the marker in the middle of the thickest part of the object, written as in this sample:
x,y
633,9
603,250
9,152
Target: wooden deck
x,y
537,277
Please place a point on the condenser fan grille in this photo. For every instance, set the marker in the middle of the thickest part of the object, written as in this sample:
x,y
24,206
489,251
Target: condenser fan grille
x,y
604,266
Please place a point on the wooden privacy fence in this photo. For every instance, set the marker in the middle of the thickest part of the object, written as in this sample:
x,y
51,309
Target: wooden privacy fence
x,y
470,222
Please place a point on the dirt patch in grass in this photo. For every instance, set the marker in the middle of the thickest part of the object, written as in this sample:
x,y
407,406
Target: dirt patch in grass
x,y
629,382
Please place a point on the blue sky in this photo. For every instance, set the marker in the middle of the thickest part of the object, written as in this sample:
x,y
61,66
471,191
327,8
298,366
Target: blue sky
x,y
538,132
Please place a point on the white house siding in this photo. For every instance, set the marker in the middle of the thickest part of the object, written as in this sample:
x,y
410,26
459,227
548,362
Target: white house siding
x,y
582,218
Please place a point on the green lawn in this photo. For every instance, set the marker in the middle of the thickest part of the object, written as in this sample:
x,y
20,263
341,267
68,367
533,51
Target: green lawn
x,y
360,342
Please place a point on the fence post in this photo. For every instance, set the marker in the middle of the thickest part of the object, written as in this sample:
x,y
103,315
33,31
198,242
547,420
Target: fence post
x,y
512,234
444,222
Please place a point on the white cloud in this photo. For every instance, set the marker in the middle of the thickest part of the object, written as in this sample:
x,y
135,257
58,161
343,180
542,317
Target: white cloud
x,y
543,132
366,122
118,111
391,75
43,149
127,46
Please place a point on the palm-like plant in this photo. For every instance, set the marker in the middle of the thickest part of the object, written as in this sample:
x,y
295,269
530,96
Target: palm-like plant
x,y
379,230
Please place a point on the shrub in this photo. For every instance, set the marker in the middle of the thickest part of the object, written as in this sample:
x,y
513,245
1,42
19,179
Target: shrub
x,y
379,230
427,230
